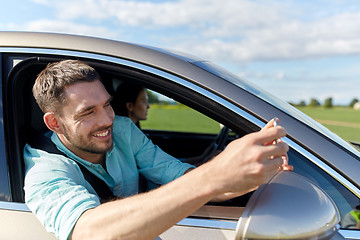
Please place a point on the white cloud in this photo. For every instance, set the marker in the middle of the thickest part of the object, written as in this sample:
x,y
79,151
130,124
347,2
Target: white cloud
x,y
224,16
289,39
67,27
226,30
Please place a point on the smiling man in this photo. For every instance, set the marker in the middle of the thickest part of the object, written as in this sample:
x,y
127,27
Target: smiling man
x,y
88,135
85,126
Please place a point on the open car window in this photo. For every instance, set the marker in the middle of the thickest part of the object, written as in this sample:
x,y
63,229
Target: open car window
x,y
177,128
186,127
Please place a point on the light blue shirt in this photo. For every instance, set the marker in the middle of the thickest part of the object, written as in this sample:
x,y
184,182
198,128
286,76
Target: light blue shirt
x,y
57,192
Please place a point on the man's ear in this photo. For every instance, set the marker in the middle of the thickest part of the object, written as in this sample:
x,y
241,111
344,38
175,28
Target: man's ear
x,y
51,122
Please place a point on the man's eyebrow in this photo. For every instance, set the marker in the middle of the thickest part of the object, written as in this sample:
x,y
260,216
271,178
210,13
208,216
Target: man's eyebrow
x,y
89,108
83,110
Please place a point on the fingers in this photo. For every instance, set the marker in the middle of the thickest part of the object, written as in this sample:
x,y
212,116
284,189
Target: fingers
x,y
273,122
274,151
269,135
263,141
285,166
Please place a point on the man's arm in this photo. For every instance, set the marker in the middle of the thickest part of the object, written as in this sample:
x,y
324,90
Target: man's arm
x,y
245,164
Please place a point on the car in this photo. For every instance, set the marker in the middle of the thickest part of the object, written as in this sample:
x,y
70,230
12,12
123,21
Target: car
x,y
314,201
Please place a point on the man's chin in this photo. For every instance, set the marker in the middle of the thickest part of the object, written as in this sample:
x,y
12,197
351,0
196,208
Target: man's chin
x,y
108,147
100,150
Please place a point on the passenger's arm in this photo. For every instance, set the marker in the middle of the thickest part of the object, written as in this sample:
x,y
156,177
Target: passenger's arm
x,y
245,164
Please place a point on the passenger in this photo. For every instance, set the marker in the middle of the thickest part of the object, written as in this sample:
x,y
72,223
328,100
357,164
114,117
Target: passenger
x,y
84,128
131,100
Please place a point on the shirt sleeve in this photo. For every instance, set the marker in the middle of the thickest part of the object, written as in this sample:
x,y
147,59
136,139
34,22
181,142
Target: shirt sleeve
x,y
55,191
153,163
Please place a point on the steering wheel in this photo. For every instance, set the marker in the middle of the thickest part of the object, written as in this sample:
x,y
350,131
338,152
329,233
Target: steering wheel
x,y
220,140
216,146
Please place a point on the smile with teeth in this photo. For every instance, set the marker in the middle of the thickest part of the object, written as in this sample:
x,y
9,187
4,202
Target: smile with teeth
x,y
102,134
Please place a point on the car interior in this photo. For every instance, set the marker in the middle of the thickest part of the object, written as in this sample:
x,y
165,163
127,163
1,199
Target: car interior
x,y
26,117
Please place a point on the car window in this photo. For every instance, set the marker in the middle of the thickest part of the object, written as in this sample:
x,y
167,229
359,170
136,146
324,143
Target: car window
x,y
345,200
166,114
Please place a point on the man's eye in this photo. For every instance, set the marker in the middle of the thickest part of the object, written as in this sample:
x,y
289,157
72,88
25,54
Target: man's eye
x,y
85,114
108,105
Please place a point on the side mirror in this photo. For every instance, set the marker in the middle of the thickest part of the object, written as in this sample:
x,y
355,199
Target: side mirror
x,y
289,206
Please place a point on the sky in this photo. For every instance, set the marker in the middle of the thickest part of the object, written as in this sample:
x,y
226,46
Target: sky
x,y
294,49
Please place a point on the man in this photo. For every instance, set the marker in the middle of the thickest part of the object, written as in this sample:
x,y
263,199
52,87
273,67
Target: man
x,y
77,110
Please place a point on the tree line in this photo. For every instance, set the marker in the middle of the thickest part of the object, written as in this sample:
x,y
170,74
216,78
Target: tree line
x,y
328,103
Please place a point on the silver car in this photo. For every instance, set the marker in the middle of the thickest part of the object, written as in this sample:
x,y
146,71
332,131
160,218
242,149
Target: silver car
x,y
318,200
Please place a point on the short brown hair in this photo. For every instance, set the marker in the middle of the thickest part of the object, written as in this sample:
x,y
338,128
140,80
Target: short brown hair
x,y
49,86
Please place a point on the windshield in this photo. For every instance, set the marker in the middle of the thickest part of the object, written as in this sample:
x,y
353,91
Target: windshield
x,y
268,97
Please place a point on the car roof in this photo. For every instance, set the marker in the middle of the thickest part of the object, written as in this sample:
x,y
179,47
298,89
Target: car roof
x,y
156,57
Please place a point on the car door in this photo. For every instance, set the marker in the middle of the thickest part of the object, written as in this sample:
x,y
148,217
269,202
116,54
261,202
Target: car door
x,y
16,220
21,113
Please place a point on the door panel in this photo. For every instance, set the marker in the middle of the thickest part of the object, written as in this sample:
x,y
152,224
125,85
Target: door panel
x,y
181,144
16,224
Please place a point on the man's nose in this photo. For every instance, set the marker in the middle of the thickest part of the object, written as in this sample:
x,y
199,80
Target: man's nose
x,y
106,117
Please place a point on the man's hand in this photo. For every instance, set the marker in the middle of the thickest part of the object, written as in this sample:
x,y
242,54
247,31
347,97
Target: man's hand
x,y
248,162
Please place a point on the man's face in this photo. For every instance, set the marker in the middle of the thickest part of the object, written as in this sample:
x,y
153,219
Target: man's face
x,y
86,120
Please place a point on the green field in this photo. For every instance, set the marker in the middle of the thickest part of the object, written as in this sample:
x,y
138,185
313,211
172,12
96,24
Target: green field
x,y
179,118
343,121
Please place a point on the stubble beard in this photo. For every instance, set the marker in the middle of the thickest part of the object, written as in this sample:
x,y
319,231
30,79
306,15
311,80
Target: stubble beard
x,y
87,146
